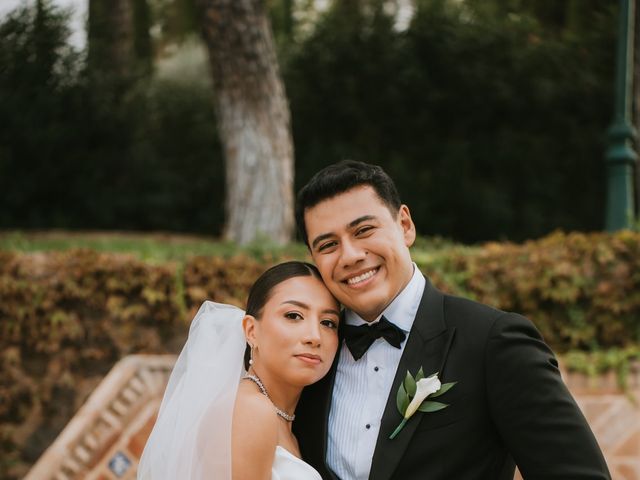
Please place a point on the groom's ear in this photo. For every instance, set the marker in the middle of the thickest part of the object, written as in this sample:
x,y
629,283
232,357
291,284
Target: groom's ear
x,y
407,225
249,327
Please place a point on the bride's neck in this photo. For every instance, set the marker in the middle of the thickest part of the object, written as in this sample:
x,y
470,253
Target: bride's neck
x,y
284,395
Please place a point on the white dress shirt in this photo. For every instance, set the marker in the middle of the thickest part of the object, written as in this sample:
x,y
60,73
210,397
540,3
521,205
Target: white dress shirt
x,y
361,388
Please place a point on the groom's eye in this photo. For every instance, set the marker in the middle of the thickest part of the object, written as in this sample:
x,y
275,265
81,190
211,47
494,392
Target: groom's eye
x,y
363,230
326,246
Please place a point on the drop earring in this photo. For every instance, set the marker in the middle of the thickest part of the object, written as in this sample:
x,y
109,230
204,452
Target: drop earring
x,y
250,355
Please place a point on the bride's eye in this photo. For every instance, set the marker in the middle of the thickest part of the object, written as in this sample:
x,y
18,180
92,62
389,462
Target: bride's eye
x,y
330,323
293,316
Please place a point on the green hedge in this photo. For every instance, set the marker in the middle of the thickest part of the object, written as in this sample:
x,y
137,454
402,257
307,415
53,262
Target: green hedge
x,y
67,317
581,291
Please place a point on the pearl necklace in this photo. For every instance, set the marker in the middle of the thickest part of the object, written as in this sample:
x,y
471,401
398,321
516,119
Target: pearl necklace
x,y
281,413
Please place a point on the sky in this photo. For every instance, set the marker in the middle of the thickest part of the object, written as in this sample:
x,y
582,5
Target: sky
x,y
78,35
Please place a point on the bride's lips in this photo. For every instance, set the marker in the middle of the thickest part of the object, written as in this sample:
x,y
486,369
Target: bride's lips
x,y
309,358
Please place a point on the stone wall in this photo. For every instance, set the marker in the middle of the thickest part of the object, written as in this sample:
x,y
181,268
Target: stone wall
x,y
105,439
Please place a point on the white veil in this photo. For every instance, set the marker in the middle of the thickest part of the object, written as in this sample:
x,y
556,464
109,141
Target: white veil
x,y
191,439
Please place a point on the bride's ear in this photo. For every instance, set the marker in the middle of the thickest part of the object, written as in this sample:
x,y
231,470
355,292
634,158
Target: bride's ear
x,y
249,327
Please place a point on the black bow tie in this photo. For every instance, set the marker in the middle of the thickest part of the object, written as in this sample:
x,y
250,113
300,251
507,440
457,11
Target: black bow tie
x,y
359,338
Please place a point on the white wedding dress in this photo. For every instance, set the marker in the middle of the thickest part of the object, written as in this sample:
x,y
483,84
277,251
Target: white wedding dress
x,y
191,439
287,466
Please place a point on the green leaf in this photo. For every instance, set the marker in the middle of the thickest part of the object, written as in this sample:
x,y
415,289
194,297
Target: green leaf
x,y
444,388
410,385
431,406
419,375
402,400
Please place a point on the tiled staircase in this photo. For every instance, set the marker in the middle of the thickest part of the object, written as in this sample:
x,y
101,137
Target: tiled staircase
x,y
105,439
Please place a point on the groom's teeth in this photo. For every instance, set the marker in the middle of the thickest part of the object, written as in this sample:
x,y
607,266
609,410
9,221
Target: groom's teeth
x,y
361,278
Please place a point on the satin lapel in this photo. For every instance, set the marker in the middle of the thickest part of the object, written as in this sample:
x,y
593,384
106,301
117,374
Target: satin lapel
x,y
427,347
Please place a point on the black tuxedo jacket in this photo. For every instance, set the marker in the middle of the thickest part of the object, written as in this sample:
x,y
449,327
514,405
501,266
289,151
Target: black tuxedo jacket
x,y
509,406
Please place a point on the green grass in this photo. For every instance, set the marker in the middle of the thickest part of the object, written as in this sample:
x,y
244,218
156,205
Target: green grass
x,y
153,247
161,247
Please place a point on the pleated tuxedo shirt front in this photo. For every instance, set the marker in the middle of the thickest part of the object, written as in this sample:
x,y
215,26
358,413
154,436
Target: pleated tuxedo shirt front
x,y
361,388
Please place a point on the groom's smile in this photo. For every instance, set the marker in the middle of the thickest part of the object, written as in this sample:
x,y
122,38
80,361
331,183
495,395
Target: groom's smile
x,y
361,248
361,279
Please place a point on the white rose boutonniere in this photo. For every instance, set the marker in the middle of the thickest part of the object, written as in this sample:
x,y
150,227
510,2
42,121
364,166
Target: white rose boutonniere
x,y
412,395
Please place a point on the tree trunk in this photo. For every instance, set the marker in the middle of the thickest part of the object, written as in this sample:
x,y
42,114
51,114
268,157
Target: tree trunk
x,y
253,121
142,35
111,39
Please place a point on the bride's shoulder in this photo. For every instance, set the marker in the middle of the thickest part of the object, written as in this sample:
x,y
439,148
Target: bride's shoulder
x,y
254,435
254,414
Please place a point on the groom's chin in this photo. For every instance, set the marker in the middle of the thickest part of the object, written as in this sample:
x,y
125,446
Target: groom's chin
x,y
368,305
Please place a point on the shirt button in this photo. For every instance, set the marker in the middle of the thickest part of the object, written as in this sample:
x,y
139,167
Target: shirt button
x,y
367,426
375,369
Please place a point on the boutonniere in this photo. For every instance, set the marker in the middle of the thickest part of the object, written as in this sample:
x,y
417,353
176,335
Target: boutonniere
x,y
413,393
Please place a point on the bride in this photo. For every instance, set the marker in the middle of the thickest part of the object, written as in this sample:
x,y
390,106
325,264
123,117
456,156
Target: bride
x,y
230,401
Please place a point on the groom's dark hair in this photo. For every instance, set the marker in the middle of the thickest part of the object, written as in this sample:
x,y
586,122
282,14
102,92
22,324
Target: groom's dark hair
x,y
339,178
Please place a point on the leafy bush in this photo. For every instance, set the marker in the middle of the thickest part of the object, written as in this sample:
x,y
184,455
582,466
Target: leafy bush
x,y
490,116
491,121
65,319
75,153
581,291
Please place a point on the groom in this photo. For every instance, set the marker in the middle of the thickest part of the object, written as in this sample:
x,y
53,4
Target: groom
x,y
509,406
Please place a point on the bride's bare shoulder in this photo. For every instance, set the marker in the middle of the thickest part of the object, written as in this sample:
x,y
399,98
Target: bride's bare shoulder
x,y
256,408
254,434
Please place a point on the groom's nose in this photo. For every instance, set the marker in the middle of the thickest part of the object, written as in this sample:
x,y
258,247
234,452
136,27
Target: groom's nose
x,y
351,253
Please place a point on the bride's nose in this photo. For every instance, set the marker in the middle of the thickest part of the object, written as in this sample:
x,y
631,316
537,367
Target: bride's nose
x,y
312,333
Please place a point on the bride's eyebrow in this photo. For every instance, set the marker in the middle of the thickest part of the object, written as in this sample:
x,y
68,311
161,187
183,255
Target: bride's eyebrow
x,y
296,303
305,306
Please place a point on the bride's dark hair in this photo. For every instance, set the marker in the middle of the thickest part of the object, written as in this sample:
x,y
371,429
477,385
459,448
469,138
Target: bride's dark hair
x,y
263,287
261,290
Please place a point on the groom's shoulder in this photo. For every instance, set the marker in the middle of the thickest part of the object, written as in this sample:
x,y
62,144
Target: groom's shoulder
x,y
464,305
458,306
469,313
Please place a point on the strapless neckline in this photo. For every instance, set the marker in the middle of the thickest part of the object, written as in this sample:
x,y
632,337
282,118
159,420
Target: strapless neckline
x,y
287,452
286,466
